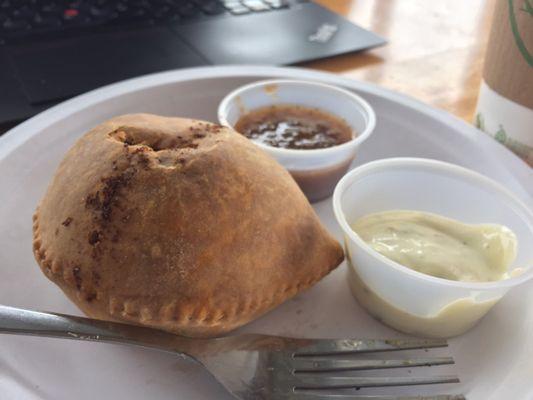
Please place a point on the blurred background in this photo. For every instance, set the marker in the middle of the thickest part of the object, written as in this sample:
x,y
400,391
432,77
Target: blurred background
x,y
435,49
432,50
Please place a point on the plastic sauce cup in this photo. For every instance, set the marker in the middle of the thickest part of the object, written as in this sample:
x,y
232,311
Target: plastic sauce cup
x,y
316,171
408,300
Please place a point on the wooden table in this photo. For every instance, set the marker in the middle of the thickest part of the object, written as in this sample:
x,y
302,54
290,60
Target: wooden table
x,y
435,51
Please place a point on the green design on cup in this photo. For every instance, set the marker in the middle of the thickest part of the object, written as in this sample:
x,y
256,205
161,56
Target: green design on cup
x,y
522,150
480,122
501,135
528,8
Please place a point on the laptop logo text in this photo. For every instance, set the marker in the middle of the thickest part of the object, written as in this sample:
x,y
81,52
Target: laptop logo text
x,y
324,33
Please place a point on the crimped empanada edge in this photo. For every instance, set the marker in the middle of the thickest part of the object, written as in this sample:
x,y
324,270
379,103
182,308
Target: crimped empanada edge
x,y
193,318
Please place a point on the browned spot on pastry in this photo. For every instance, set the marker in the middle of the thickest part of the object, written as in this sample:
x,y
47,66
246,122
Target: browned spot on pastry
x,y
112,187
94,238
76,273
90,297
102,201
93,201
143,161
115,236
167,160
96,278
137,137
67,221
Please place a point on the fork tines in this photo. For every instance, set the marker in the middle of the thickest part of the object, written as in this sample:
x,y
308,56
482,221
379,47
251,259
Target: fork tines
x,y
313,396
348,346
322,366
356,382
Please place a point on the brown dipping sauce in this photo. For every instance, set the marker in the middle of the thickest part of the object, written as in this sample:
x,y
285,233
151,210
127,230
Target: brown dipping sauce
x,y
294,127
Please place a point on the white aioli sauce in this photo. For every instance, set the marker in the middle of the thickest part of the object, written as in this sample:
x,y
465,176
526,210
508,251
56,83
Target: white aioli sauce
x,y
439,246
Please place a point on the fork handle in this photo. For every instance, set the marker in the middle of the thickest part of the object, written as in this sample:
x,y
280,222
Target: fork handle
x,y
27,322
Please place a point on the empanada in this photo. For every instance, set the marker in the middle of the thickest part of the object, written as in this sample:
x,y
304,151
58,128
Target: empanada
x,y
177,224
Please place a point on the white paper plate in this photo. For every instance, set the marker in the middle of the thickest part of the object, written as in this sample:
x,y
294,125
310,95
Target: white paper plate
x,y
494,360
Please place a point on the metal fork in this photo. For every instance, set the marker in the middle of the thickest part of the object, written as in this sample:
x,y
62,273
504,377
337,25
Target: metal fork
x,y
252,366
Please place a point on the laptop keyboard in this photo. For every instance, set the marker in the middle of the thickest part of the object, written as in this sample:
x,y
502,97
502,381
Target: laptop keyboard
x,y
23,18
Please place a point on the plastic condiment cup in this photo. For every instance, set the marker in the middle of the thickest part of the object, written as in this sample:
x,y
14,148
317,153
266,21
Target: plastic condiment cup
x,y
408,300
316,170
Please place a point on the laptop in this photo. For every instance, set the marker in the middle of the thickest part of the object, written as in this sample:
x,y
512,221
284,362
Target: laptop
x,y
55,49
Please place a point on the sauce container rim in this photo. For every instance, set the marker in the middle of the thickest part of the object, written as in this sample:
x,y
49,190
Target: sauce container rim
x,y
258,85
437,166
